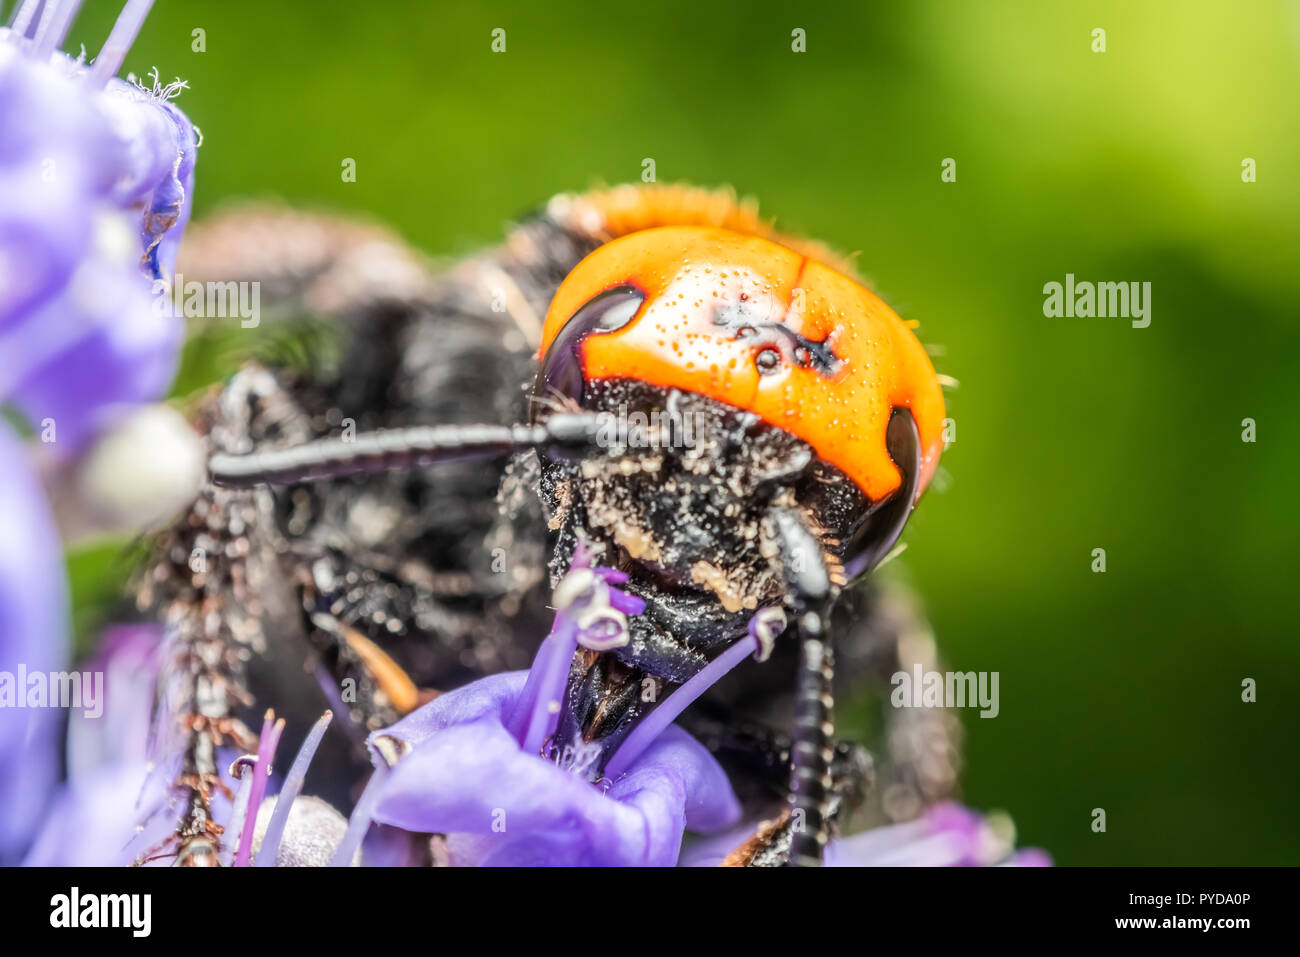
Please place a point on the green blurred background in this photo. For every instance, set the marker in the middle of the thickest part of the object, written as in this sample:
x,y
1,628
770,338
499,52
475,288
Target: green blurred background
x,y
1119,690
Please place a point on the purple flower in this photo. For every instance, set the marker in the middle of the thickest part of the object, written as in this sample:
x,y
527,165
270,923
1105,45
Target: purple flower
x,y
474,764
945,835
466,776
33,630
111,788
95,188
117,804
95,183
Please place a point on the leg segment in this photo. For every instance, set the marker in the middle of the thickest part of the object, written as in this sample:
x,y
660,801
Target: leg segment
x,y
213,586
773,844
811,592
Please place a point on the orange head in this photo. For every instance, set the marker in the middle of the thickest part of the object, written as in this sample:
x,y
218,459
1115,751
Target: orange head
x,y
756,325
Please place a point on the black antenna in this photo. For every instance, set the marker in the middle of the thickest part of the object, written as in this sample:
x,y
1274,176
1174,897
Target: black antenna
x,y
374,452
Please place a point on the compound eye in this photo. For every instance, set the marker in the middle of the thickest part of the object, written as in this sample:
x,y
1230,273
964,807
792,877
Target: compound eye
x,y
878,533
611,310
607,312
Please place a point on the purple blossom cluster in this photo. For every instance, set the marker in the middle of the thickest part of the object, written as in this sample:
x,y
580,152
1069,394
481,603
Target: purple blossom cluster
x,y
95,183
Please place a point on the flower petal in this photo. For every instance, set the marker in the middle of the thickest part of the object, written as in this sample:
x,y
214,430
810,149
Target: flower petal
x,y
94,351
33,636
710,803
466,776
95,191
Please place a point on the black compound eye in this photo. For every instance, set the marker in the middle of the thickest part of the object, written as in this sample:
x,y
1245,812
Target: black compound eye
x,y
612,309
882,525
609,311
768,361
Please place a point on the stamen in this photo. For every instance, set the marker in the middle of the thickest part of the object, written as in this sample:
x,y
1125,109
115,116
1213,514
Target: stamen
x,y
24,13
55,23
359,823
41,23
240,809
644,734
289,792
627,603
766,626
603,629
265,752
588,611
119,41
245,762
536,713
